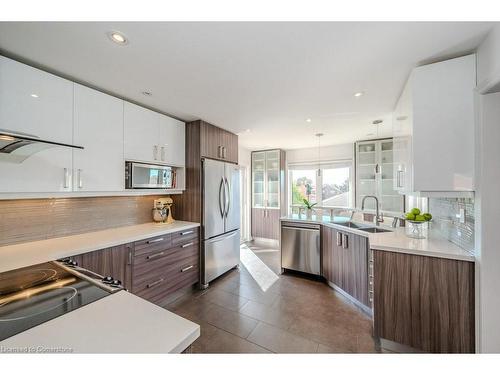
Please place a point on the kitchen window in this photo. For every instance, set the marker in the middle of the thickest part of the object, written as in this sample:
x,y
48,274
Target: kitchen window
x,y
333,187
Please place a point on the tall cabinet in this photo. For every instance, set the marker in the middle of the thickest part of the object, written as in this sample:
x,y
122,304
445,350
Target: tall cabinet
x,y
268,192
374,175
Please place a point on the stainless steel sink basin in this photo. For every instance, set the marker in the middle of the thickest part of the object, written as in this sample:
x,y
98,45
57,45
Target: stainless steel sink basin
x,y
350,224
374,230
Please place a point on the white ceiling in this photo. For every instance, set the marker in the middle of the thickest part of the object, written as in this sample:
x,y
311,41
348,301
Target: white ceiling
x,y
266,77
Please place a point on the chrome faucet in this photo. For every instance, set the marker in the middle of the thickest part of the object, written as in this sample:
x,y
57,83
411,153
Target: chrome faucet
x,y
379,218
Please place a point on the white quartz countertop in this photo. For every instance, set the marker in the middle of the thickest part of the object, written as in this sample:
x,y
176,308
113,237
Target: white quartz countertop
x,y
396,240
35,252
118,323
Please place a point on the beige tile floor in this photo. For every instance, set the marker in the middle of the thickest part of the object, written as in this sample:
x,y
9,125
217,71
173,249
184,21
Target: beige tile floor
x,y
254,309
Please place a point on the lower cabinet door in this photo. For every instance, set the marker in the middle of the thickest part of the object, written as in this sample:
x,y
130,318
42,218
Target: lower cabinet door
x,y
114,261
424,302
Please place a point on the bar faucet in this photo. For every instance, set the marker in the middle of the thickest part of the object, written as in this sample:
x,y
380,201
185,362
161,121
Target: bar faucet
x,y
379,218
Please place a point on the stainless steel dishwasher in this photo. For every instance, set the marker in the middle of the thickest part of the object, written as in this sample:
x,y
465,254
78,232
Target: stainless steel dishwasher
x,y
300,247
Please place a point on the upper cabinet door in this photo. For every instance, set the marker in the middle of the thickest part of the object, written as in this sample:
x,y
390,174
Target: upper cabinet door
x,y
141,134
98,127
434,129
211,140
41,104
230,144
172,141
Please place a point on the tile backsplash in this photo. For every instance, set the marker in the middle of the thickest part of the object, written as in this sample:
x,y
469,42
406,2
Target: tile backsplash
x,y
37,219
444,211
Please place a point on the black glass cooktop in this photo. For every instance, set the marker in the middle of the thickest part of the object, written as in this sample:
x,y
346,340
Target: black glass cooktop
x,y
33,295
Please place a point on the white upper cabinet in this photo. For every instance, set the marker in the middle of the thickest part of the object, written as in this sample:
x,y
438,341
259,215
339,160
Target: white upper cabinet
x,y
141,127
40,104
434,129
98,127
172,141
152,137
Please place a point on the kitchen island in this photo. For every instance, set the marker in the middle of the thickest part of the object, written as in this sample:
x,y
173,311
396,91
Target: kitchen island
x,y
419,292
119,323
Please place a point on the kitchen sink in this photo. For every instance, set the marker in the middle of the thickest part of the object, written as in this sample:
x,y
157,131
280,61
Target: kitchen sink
x,y
350,224
374,230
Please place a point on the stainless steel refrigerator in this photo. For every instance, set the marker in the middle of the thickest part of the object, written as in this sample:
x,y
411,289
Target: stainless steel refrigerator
x,y
221,219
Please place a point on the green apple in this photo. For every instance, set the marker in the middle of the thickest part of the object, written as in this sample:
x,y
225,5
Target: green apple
x,y
410,216
419,218
427,216
415,211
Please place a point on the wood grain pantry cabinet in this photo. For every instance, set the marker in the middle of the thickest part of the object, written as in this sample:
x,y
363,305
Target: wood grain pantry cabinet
x,y
268,193
345,262
152,137
433,129
41,104
424,302
152,268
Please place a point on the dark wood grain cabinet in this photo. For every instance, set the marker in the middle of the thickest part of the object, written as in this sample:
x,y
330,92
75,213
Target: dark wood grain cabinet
x,y
114,261
216,143
424,302
152,268
345,262
266,223
165,264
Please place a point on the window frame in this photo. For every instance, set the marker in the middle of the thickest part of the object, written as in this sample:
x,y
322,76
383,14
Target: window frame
x,y
326,164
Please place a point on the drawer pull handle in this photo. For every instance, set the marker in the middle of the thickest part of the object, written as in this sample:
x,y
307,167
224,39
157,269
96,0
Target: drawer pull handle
x,y
154,284
155,240
188,232
187,245
187,268
155,255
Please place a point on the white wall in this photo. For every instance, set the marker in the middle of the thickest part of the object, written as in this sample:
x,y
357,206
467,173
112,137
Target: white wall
x,y
488,58
487,180
245,162
335,152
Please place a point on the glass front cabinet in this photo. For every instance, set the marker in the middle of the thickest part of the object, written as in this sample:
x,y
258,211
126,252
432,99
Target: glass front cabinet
x,y
267,192
374,176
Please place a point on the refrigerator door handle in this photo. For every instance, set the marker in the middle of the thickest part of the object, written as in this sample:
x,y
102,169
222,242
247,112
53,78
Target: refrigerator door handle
x,y
228,196
223,197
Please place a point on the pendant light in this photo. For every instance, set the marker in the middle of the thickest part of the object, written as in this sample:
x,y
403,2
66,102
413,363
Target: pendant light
x,y
377,123
319,135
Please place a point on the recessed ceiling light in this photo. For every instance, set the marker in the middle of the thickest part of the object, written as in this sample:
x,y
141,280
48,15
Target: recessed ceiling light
x,y
147,93
308,120
377,122
117,37
34,95
358,94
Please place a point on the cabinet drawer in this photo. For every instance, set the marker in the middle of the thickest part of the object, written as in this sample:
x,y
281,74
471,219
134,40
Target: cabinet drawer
x,y
152,245
158,285
184,237
148,274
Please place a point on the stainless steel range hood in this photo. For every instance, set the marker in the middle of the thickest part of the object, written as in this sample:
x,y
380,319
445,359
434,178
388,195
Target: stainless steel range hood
x,y
15,147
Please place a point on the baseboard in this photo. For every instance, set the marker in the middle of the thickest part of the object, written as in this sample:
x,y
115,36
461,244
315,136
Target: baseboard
x,y
396,347
266,242
367,310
